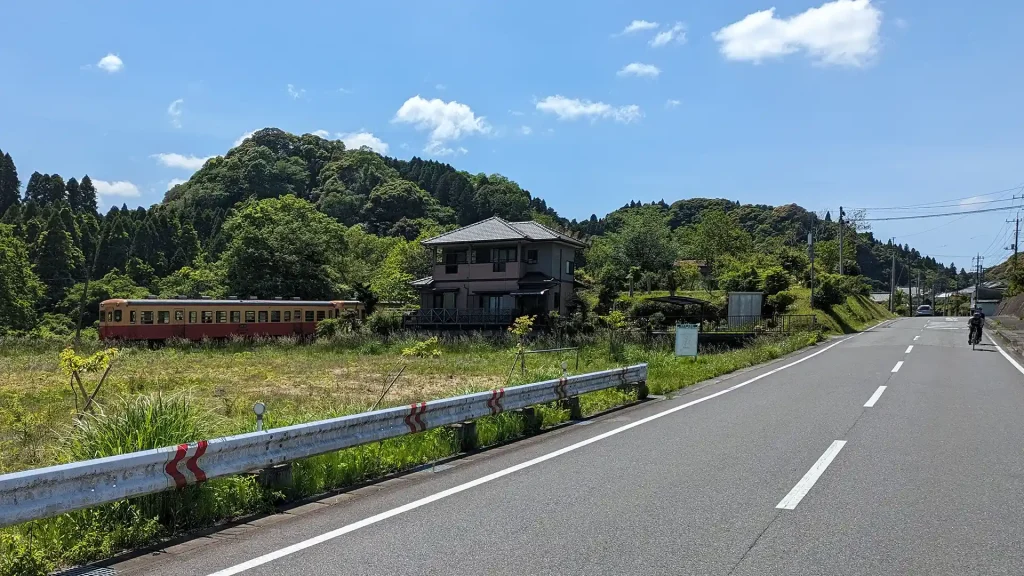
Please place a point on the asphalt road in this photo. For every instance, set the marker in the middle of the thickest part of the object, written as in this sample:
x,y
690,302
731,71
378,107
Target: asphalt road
x,y
789,474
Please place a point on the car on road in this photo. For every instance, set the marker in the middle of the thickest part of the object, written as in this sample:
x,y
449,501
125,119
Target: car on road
x,y
924,310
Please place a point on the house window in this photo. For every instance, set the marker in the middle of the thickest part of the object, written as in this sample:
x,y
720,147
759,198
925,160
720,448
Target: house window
x,y
490,303
236,317
309,315
191,316
503,254
570,267
275,316
482,256
207,317
250,316
558,301
320,315
531,256
147,317
287,315
117,316
222,317
263,316
498,267
131,317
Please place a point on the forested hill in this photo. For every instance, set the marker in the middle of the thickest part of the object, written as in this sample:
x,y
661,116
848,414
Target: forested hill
x,y
287,215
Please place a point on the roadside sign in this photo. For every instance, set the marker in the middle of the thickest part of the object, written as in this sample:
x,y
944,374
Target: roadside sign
x,y
686,339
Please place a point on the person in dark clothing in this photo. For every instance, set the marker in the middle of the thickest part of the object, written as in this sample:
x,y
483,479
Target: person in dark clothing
x,y
976,322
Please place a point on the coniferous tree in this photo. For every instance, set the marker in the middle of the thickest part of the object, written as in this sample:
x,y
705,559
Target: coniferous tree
x,y
56,259
10,186
87,196
72,191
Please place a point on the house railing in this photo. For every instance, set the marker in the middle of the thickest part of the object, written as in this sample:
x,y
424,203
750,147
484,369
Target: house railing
x,y
460,316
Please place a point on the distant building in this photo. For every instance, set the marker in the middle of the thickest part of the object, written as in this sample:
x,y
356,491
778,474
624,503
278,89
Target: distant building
x,y
488,273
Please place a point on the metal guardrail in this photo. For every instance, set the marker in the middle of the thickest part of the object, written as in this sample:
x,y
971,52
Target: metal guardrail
x,y
45,492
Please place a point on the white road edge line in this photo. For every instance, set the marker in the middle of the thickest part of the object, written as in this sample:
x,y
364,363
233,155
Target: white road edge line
x,y
1007,356
298,547
909,348
804,485
915,338
874,397
897,367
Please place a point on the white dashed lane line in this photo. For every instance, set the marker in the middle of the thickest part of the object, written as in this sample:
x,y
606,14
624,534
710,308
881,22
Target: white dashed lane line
x,y
897,367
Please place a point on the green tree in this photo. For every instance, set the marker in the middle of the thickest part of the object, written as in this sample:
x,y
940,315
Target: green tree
x,y
20,289
826,256
394,200
643,241
204,280
115,284
405,262
10,186
283,247
715,236
86,196
116,245
73,193
57,259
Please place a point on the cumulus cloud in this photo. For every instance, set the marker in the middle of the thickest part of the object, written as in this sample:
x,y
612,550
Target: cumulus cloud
x,y
574,109
525,130
356,140
116,188
242,138
321,133
677,34
842,32
439,149
174,182
671,103
445,120
110,63
175,160
174,111
296,93
639,69
638,26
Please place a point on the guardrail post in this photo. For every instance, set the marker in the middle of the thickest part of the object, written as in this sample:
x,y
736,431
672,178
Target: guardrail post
x,y
641,390
279,476
573,404
531,421
466,435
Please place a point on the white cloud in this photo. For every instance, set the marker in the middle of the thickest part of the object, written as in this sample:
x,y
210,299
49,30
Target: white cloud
x,y
638,26
117,188
676,33
174,111
437,149
321,133
356,140
404,146
296,93
242,138
175,160
671,103
574,109
900,23
174,182
111,63
445,120
842,32
639,69
344,90
440,87
525,130
515,112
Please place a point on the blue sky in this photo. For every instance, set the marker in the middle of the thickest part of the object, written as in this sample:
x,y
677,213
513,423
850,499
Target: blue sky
x,y
858,103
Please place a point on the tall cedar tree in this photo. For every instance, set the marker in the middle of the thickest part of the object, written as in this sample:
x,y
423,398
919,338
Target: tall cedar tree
x,y
86,197
19,288
10,186
116,245
57,259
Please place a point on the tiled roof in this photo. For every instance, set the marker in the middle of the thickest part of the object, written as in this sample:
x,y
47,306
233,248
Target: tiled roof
x,y
423,281
495,229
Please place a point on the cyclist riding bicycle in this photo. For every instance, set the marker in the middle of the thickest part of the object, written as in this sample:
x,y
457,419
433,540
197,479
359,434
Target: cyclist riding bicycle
x,y
976,323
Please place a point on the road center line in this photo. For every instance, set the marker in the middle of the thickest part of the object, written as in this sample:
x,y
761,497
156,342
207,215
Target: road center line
x,y
874,397
804,485
915,338
909,348
326,536
897,367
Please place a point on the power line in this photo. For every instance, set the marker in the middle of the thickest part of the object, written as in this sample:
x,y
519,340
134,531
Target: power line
x,y
933,203
919,216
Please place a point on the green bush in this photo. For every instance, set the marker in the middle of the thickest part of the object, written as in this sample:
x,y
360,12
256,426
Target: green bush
x,y
330,327
781,301
384,322
828,290
775,280
854,285
744,278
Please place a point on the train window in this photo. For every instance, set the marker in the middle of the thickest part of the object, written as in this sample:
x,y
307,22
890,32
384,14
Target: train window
x,y
250,315
131,316
222,317
275,316
191,316
117,316
236,316
320,314
263,316
297,316
207,317
163,317
287,315
147,317
309,315
179,315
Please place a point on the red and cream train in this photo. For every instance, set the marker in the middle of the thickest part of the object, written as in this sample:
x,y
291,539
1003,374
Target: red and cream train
x,y
160,319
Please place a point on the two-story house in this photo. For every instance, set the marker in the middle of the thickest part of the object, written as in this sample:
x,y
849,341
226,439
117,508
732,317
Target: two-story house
x,y
489,272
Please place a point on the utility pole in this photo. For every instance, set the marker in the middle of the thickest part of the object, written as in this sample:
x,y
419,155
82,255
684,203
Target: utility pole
x,y
892,280
977,276
810,252
841,234
920,298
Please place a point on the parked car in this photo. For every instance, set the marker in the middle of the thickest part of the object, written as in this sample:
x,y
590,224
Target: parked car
x,y
924,310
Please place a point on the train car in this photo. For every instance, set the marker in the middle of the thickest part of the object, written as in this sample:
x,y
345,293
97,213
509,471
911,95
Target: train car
x,y
160,319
